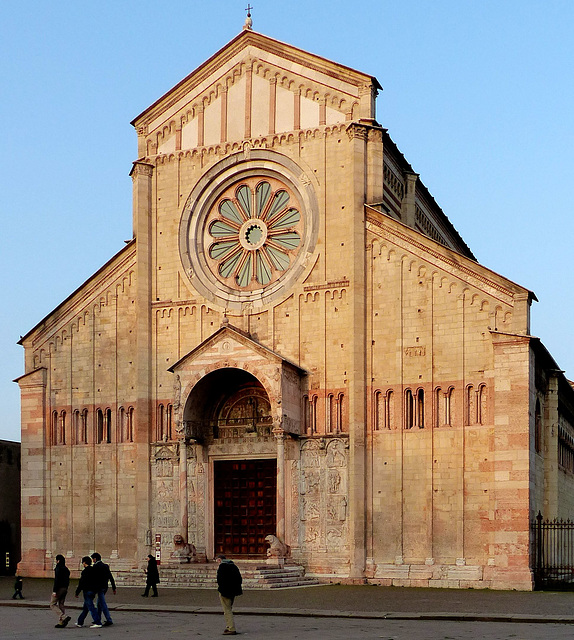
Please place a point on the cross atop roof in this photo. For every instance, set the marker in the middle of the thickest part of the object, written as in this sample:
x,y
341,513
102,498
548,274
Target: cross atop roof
x,y
248,21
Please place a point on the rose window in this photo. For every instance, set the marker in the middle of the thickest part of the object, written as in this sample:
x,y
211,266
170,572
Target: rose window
x,y
254,232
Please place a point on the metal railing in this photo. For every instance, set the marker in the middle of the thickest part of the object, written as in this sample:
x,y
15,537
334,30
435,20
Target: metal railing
x,y
553,554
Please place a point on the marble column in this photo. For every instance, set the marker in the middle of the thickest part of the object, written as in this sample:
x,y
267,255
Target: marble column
x,y
280,438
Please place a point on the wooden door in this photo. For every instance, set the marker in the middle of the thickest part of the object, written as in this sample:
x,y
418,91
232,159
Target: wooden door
x,y
245,506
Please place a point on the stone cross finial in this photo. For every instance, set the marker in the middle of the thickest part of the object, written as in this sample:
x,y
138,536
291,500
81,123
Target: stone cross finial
x,y
248,21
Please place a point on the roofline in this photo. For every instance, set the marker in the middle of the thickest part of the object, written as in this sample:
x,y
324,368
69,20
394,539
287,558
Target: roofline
x,y
77,290
253,35
555,367
442,247
406,166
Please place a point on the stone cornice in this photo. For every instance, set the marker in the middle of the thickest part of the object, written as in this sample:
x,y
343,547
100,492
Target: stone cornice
x,y
268,141
338,284
85,294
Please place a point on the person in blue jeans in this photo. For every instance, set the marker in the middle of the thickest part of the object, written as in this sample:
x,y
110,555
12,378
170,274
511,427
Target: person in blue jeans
x,y
88,586
103,577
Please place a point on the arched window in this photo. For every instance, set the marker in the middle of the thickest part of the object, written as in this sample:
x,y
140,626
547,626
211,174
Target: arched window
x,y
378,411
439,408
306,414
313,414
130,427
409,409
448,402
54,428
481,405
538,428
121,424
76,426
389,409
331,414
62,428
341,413
168,421
470,408
99,426
108,426
160,427
420,417
84,427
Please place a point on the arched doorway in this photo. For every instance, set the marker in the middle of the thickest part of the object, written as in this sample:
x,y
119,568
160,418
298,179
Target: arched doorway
x,y
226,407
227,403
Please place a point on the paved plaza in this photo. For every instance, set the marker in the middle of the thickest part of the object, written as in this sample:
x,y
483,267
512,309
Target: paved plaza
x,y
335,612
21,622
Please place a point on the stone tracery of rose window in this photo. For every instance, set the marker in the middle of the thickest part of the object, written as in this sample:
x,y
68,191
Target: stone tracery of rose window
x,y
254,232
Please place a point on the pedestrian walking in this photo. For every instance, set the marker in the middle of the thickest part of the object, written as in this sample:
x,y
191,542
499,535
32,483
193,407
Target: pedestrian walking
x,y
89,587
18,588
103,576
152,577
60,591
229,586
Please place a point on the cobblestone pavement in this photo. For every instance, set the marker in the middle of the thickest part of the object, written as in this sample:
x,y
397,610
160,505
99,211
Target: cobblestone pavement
x,y
20,623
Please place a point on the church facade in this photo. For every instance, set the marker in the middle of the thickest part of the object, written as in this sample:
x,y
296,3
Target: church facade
x,y
298,343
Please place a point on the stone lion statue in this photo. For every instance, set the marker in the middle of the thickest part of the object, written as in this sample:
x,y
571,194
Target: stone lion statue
x,y
183,551
277,549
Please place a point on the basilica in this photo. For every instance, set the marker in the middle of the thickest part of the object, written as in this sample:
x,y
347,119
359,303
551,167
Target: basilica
x,y
296,355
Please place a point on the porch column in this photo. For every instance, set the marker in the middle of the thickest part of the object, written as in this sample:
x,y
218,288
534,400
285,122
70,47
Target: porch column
x,y
183,515
280,437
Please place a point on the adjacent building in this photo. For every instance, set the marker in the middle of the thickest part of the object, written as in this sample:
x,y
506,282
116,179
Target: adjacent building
x,y
9,506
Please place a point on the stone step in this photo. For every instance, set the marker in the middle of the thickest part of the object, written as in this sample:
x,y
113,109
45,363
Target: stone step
x,y
304,583
203,576
286,569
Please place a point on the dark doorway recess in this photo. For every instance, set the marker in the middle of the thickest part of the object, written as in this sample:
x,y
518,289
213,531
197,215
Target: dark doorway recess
x,y
245,506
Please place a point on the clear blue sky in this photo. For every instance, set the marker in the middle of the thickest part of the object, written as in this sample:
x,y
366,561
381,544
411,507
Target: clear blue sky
x,y
478,95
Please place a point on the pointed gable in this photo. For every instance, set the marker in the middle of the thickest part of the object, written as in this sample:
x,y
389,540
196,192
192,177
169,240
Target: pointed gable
x,y
254,86
226,341
231,349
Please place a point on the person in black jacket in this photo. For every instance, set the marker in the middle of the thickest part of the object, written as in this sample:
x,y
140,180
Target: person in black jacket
x,y
60,590
103,577
18,588
152,577
229,586
89,586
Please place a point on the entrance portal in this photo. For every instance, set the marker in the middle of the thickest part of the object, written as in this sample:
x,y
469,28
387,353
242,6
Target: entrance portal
x,y
245,506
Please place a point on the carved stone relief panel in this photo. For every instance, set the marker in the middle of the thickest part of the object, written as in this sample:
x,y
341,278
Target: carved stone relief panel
x,y
165,490
295,501
165,513
323,494
192,495
311,502
201,490
336,512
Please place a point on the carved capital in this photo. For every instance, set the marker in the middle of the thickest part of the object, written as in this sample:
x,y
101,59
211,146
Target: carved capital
x,y
279,432
141,169
359,131
365,89
375,134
